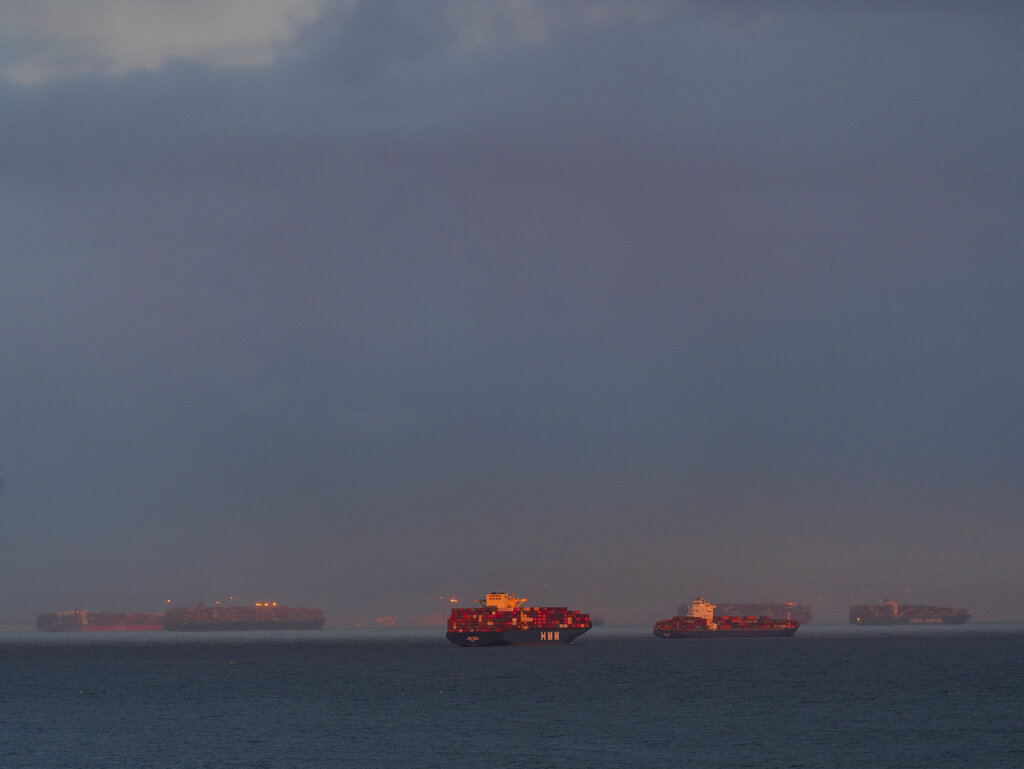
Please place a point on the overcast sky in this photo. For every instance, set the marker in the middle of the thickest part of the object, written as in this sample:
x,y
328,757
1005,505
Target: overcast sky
x,y
357,305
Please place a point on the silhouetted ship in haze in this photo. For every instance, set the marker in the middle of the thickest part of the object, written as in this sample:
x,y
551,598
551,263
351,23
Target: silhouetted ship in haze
x,y
697,620
501,621
888,612
261,616
78,621
798,611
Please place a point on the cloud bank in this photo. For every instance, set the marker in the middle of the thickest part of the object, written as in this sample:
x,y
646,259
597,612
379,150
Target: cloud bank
x,y
603,303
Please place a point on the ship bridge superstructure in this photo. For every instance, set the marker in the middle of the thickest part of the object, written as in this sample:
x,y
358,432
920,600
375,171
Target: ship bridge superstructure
x,y
698,607
501,601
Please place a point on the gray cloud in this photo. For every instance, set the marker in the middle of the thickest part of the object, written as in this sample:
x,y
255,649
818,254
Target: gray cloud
x,y
51,41
629,307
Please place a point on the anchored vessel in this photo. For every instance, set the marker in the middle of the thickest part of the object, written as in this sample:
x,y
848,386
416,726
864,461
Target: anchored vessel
x,y
699,621
799,611
78,621
501,621
261,616
890,613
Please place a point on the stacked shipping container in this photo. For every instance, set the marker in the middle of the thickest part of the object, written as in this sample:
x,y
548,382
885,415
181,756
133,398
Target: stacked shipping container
x,y
492,620
697,627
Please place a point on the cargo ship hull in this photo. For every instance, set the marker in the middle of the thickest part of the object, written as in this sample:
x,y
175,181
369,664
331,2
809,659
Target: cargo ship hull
x,y
102,628
255,625
531,637
953,620
261,616
889,612
81,621
501,620
787,632
698,620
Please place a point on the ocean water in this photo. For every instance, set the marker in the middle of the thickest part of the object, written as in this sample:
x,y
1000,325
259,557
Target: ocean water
x,y
833,696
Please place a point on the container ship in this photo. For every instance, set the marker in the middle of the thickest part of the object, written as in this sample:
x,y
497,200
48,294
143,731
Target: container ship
x,y
501,620
800,612
78,621
261,616
889,612
698,620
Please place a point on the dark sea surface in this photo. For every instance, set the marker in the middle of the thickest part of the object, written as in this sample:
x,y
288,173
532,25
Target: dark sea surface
x,y
833,696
